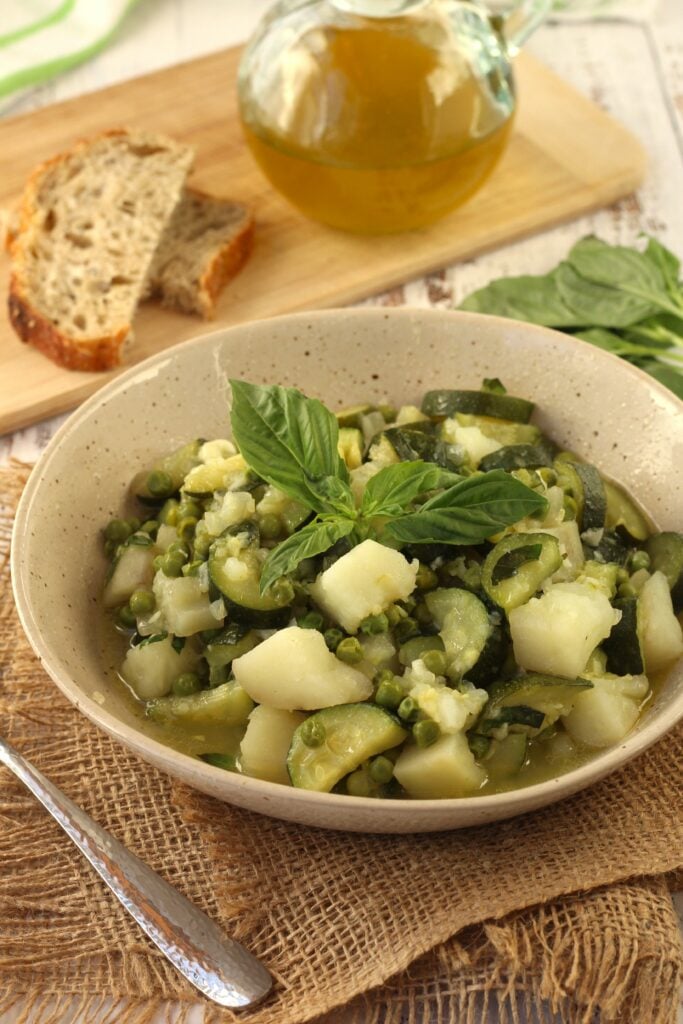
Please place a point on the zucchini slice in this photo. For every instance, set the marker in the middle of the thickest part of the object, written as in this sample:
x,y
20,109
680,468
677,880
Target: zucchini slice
x,y
237,577
352,733
413,649
228,704
443,403
623,514
550,695
594,504
623,646
410,444
232,642
351,415
517,456
666,555
464,627
515,568
176,465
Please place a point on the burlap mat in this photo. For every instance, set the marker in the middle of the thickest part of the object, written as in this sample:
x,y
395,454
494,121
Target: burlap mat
x,y
421,929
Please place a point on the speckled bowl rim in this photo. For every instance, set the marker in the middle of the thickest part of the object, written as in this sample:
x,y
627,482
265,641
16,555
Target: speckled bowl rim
x,y
451,813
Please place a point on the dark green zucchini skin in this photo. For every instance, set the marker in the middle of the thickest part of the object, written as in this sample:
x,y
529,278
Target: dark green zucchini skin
x,y
594,496
518,456
491,660
612,548
622,646
410,444
441,403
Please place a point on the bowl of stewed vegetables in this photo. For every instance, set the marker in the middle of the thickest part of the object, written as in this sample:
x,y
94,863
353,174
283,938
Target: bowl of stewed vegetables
x,y
378,570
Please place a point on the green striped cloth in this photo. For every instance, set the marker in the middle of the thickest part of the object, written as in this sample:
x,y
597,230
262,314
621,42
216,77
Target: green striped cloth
x,y
42,38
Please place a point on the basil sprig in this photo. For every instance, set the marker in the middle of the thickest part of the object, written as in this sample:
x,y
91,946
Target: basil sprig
x,y
624,300
291,442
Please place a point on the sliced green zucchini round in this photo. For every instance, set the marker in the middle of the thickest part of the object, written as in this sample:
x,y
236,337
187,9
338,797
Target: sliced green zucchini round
x,y
481,403
237,577
507,757
666,555
413,649
623,513
551,696
232,642
507,432
228,704
515,568
410,444
176,466
517,456
623,646
464,627
594,504
349,734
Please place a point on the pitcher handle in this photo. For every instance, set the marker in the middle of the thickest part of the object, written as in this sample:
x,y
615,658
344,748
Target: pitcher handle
x,y
519,21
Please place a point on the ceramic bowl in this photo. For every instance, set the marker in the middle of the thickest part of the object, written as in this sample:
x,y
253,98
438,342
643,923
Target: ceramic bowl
x,y
589,401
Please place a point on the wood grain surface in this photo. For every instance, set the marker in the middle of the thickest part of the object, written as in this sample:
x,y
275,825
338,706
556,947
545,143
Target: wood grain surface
x,y
566,157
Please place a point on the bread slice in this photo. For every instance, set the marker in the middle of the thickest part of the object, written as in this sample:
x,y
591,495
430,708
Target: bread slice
x,y
90,221
206,242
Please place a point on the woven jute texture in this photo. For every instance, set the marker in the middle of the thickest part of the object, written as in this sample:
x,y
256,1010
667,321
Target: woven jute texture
x,y
365,929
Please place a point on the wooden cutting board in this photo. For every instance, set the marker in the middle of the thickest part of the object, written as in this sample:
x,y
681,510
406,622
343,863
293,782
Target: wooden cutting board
x,y
566,157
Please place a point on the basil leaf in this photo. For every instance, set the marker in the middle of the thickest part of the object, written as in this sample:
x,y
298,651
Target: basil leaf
x,y
668,264
305,543
599,305
469,512
338,495
626,270
389,491
535,299
667,375
287,439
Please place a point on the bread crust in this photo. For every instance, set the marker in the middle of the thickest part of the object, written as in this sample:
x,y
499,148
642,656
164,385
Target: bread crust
x,y
224,266
32,326
93,354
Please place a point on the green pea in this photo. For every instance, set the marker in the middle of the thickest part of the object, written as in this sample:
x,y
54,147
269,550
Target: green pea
x,y
389,694
622,575
159,484
406,629
126,617
333,637
142,602
157,562
178,547
282,591
436,662
639,560
381,770
350,651
312,732
627,590
185,684
525,476
169,512
312,620
150,526
358,783
395,613
192,568
383,675
422,614
133,524
374,624
186,527
426,578
189,507
172,564
425,732
117,530
408,709
270,526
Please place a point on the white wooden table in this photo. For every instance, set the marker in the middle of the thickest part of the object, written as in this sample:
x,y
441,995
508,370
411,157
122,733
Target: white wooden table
x,y
632,70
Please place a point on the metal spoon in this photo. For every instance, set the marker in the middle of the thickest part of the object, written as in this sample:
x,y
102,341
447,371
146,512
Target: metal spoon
x,y
219,967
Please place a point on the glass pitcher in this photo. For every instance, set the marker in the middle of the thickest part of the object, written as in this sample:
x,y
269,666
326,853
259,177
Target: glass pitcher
x,y
377,116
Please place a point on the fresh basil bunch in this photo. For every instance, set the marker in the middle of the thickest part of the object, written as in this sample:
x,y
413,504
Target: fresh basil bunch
x,y
291,442
621,299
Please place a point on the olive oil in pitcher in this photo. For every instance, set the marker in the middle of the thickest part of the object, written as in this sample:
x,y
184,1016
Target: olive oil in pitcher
x,y
377,116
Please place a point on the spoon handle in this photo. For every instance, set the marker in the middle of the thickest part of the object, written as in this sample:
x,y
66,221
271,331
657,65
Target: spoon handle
x,y
219,967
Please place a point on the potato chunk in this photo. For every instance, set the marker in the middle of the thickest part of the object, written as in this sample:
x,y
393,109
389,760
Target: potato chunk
x,y
557,632
661,634
446,769
265,744
602,716
364,582
293,669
